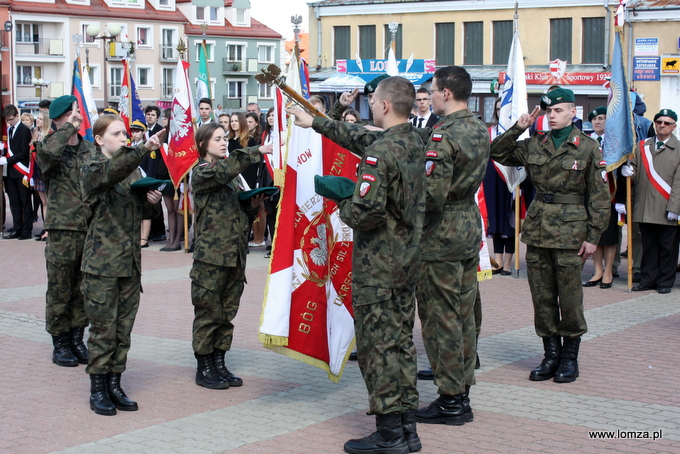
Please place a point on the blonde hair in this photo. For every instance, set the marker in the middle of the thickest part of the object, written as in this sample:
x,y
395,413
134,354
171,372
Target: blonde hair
x,y
40,132
29,116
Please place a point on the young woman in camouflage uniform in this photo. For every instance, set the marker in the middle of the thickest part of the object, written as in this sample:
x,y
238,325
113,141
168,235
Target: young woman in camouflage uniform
x,y
112,256
219,271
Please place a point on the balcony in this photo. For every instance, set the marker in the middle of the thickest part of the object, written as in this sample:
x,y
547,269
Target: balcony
x,y
232,67
168,53
232,103
167,90
44,46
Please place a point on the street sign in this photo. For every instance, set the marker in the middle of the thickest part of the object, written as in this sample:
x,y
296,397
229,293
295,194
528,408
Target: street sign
x,y
646,68
646,46
670,65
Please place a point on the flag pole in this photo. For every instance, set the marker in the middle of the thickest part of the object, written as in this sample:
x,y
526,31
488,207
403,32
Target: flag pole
x,y
518,206
185,207
272,75
629,231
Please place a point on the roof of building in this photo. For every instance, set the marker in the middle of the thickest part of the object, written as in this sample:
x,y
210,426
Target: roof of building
x,y
256,30
99,9
649,4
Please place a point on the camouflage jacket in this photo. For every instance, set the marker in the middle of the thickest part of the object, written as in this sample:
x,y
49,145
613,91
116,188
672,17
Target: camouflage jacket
x,y
456,157
60,165
113,246
388,205
574,169
222,220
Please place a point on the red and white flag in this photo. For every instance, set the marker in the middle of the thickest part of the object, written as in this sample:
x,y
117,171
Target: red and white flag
x,y
180,154
307,311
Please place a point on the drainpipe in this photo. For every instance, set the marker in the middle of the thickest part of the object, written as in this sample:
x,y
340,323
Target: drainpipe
x,y
607,33
318,38
629,62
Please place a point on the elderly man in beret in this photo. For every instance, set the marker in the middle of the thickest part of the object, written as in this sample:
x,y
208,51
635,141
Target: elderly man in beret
x,y
60,155
560,231
657,203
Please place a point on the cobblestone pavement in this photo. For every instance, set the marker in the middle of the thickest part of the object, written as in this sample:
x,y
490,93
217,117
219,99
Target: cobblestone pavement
x,y
628,385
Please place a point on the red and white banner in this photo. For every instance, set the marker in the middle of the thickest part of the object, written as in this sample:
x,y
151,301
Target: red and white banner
x,y
484,270
307,312
180,154
654,178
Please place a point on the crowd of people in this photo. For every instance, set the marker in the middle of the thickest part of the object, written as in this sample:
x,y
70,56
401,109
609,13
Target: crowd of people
x,y
416,222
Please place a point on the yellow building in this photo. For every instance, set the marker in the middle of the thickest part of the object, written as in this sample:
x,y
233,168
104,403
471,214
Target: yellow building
x,y
476,34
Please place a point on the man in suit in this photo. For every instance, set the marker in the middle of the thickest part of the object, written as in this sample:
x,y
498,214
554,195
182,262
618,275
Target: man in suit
x,y
205,111
18,173
425,117
657,203
152,114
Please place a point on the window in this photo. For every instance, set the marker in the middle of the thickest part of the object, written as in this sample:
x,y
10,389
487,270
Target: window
x,y
86,38
206,13
502,41
560,39
168,84
265,91
168,44
265,53
163,2
489,106
93,73
474,43
473,103
27,33
240,16
397,39
367,41
209,49
144,37
144,76
235,52
341,43
444,52
25,74
593,40
115,81
234,94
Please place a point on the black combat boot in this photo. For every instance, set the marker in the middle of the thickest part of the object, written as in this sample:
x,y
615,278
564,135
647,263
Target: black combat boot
x,y
206,375
408,422
388,439
99,396
551,361
221,368
117,395
469,417
445,410
77,345
62,354
568,370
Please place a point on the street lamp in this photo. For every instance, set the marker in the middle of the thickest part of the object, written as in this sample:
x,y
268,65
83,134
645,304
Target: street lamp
x,y
113,31
40,84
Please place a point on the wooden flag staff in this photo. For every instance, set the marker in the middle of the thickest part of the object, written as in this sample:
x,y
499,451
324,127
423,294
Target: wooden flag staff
x,y
272,76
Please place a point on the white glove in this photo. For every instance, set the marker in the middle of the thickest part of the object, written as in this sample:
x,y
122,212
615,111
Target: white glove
x,y
620,208
627,171
3,161
672,216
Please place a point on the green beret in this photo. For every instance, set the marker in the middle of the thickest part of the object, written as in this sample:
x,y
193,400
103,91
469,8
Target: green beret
x,y
138,125
557,96
268,191
61,105
666,113
371,86
334,188
146,183
602,110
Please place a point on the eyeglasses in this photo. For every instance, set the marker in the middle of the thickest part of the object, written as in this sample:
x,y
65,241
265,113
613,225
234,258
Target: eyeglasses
x,y
422,99
663,123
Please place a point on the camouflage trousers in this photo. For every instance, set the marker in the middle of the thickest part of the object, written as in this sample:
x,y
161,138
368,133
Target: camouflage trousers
x,y
478,311
216,295
556,291
446,298
383,321
111,304
64,298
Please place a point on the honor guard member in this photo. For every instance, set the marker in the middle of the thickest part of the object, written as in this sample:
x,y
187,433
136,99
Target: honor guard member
x,y
386,211
218,274
60,156
112,256
456,157
347,98
560,231
657,203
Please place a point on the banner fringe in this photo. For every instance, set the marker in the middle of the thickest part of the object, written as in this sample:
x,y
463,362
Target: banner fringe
x,y
484,275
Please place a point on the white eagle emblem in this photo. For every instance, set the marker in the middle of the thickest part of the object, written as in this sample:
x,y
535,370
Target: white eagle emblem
x,y
123,103
319,254
178,123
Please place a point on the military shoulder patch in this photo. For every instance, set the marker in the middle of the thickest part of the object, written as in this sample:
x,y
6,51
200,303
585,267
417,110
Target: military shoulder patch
x,y
370,160
365,187
432,154
368,177
603,163
437,137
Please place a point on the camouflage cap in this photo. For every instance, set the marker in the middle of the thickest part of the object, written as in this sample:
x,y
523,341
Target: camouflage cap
x,y
371,86
334,188
557,96
666,113
267,191
61,105
138,125
602,110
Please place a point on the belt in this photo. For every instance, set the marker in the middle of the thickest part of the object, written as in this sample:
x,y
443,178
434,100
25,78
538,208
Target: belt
x,y
453,205
559,198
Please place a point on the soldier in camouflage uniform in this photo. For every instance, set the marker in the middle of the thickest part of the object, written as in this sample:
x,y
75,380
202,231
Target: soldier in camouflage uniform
x,y
386,212
456,157
218,274
60,156
560,230
112,256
